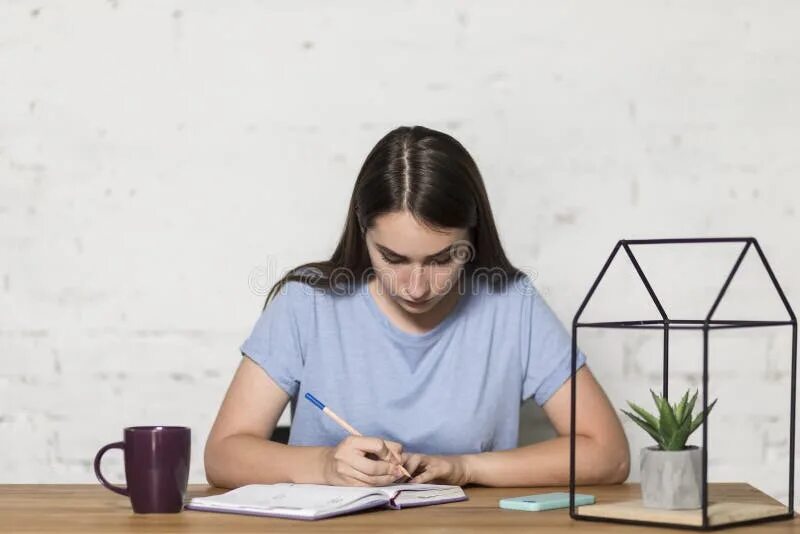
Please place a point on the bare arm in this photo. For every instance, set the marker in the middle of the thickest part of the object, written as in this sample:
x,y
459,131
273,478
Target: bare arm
x,y
238,452
601,448
237,447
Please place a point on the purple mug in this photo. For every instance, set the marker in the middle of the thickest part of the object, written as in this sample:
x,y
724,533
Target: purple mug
x,y
156,467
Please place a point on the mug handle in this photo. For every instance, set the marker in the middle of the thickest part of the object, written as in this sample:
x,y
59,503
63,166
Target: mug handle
x,y
100,477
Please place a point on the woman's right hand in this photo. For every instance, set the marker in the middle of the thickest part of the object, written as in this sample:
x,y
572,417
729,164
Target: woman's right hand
x,y
362,461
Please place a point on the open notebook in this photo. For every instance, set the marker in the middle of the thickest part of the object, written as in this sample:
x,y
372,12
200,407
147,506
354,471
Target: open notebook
x,y
314,501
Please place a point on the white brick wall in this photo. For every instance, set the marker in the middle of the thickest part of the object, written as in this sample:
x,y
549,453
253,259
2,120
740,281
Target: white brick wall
x,y
154,155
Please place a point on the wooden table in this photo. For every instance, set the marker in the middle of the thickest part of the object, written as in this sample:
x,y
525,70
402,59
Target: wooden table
x,y
91,508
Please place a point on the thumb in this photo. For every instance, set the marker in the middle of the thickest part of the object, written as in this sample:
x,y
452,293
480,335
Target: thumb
x,y
394,447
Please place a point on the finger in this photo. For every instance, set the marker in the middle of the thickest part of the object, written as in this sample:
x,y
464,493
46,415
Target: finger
x,y
388,455
393,457
403,471
375,447
412,463
394,447
374,467
350,471
428,475
408,473
368,444
363,447
396,456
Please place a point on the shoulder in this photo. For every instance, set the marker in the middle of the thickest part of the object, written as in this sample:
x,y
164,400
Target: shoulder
x,y
305,299
292,293
293,299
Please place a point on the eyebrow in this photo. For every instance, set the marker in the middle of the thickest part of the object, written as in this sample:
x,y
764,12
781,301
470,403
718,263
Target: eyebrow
x,y
390,252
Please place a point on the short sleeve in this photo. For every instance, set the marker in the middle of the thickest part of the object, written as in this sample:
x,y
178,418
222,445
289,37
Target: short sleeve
x,y
275,342
546,349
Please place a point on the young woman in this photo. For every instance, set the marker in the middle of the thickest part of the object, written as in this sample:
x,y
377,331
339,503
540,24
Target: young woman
x,y
421,334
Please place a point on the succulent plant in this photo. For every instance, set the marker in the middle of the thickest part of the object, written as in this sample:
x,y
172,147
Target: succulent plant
x,y
674,423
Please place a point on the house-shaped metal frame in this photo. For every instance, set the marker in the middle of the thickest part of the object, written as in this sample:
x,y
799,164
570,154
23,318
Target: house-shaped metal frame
x,y
706,325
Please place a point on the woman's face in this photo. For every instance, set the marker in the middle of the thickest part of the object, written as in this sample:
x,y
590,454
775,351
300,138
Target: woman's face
x,y
415,265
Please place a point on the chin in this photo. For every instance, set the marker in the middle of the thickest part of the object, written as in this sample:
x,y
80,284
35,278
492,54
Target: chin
x,y
418,309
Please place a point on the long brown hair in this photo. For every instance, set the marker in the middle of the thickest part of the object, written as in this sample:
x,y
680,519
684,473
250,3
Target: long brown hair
x,y
431,175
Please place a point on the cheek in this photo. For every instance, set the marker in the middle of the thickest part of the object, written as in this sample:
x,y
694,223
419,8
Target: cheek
x,y
443,278
390,276
378,263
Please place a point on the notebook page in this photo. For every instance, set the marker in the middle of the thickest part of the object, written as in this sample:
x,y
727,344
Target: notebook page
x,y
302,500
403,495
410,498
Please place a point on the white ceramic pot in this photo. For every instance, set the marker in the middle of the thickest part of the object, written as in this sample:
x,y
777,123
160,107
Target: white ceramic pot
x,y
671,480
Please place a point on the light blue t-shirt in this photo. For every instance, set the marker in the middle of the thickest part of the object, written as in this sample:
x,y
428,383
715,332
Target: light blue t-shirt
x,y
455,389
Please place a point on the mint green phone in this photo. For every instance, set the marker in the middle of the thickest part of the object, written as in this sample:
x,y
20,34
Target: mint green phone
x,y
544,501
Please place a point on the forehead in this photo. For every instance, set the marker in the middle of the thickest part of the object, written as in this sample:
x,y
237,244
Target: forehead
x,y
400,232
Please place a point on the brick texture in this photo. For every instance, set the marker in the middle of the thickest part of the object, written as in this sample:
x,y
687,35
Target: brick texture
x,y
162,163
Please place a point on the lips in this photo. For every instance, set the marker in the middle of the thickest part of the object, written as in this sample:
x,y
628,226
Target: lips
x,y
417,302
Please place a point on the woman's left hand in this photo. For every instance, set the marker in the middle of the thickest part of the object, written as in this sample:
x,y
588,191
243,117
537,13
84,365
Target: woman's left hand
x,y
436,469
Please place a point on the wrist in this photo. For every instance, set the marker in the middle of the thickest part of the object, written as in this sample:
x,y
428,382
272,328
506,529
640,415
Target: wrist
x,y
323,465
311,467
467,462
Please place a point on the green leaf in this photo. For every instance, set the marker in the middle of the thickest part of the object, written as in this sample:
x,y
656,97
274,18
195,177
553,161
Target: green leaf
x,y
657,399
644,423
683,415
667,424
678,440
681,406
701,417
687,415
647,428
644,414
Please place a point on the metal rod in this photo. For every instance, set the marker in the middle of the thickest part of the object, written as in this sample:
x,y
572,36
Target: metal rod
x,y
682,526
653,322
751,325
665,369
573,382
597,281
645,327
657,323
572,408
793,393
728,280
774,281
645,281
792,414
704,495
686,240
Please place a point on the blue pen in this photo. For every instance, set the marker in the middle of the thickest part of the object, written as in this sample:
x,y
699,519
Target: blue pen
x,y
348,427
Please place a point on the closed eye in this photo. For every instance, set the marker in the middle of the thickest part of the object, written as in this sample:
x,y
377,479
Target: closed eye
x,y
441,260
443,257
394,261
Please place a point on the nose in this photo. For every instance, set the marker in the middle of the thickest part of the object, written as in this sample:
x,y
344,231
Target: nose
x,y
417,288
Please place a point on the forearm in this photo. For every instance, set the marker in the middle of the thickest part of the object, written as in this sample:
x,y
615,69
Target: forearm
x,y
547,464
241,459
